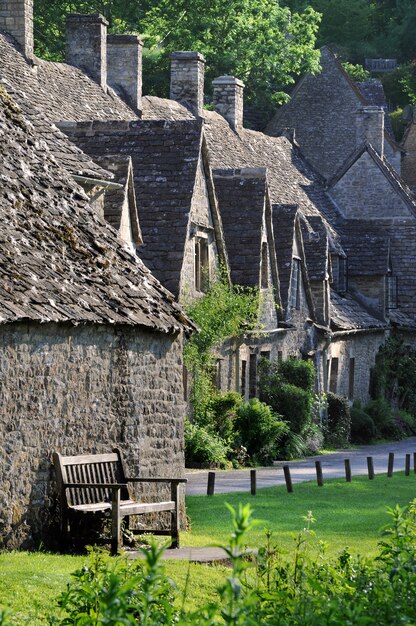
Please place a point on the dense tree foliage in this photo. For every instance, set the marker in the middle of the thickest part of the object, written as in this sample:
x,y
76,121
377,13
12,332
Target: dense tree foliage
x,y
257,40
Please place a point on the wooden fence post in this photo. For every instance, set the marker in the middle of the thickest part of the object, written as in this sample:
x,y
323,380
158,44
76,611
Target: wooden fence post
x,y
390,465
407,465
347,470
319,476
288,479
253,485
370,467
211,484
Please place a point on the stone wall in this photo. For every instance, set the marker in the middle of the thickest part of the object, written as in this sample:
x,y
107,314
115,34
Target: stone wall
x,y
82,389
16,18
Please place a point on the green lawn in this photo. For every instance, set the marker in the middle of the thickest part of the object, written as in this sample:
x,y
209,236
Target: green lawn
x,y
347,514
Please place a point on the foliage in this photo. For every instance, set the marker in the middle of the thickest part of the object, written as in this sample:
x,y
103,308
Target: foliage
x,y
118,592
224,311
258,41
299,373
338,423
398,122
260,431
356,72
363,429
304,587
222,412
204,448
394,376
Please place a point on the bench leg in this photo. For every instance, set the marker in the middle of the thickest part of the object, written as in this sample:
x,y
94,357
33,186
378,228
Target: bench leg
x,y
175,517
115,522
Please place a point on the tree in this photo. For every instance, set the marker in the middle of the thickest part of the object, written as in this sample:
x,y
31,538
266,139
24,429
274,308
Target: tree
x,y
258,41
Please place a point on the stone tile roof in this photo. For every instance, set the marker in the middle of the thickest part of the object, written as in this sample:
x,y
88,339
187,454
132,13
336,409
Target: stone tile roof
x,y
59,261
316,246
241,200
367,248
165,157
348,314
284,222
154,108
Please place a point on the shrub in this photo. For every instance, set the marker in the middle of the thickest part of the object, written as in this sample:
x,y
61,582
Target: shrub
x,y
221,412
313,439
382,415
406,421
299,373
363,429
295,404
203,447
338,425
260,430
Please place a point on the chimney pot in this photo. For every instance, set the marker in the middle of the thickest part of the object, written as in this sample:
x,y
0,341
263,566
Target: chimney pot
x,y
124,68
229,99
187,80
16,18
87,45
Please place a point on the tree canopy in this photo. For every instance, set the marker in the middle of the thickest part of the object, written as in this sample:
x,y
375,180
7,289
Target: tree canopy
x,y
258,41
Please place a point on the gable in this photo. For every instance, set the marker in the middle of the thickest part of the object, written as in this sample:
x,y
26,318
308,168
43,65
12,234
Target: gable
x,y
365,192
322,112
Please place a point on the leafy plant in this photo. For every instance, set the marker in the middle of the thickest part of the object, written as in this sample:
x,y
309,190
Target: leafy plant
x,y
260,431
204,448
356,72
338,425
363,429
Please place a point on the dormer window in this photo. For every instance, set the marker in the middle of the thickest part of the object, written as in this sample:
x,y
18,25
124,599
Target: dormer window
x,y
201,264
390,291
294,300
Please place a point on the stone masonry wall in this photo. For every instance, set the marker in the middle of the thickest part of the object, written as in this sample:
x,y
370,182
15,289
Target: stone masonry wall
x,y
16,18
84,389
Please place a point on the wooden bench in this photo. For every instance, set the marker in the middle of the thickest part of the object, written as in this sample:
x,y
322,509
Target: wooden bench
x,y
97,484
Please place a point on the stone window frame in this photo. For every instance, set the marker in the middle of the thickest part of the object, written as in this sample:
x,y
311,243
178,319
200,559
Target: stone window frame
x,y
333,375
201,262
391,291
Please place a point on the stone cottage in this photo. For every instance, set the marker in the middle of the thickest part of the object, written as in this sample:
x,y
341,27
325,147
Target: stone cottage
x,y
90,342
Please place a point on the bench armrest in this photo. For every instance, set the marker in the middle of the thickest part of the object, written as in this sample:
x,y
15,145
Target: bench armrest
x,y
90,485
157,480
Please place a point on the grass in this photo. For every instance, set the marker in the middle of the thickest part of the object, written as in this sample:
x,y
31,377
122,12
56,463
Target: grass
x,y
347,514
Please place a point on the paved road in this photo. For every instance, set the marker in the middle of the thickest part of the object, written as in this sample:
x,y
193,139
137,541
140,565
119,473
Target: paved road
x,y
332,466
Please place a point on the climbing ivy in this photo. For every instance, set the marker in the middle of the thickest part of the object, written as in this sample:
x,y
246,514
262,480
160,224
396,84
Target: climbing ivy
x,y
394,376
224,311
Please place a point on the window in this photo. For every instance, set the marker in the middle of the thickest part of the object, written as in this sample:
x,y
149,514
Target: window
x,y
201,264
294,301
264,265
391,291
265,354
351,379
333,378
252,376
243,378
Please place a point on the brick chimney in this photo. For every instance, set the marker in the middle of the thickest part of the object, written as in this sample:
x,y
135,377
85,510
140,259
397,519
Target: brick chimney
x,y
16,18
124,68
187,80
86,45
370,127
229,99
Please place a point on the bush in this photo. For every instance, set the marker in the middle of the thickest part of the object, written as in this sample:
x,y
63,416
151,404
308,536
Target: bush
x,y
203,448
313,439
406,422
338,425
295,404
221,411
260,431
382,415
299,373
363,429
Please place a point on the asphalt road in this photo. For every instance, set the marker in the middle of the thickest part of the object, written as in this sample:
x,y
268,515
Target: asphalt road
x,y
332,465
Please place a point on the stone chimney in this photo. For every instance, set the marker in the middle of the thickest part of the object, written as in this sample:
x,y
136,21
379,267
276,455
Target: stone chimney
x,y
86,45
229,99
370,127
16,18
124,68
187,80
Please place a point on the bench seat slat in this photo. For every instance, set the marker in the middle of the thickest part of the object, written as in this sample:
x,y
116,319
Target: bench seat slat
x,y
109,457
136,508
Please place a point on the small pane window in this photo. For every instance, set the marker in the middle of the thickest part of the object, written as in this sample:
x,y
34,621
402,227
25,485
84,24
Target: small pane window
x,y
243,378
391,291
201,264
295,285
252,376
351,379
333,378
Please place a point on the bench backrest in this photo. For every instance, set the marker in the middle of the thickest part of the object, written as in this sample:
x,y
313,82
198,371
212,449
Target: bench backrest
x,y
89,468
